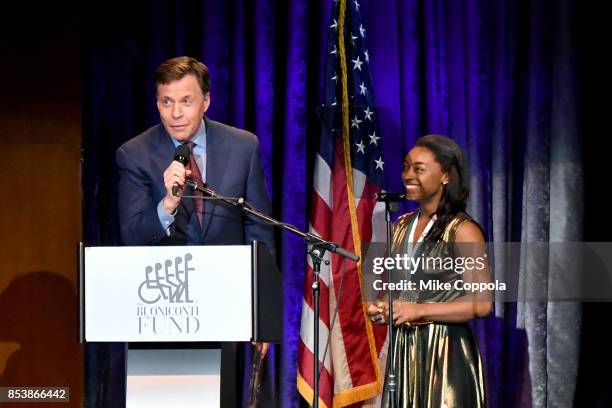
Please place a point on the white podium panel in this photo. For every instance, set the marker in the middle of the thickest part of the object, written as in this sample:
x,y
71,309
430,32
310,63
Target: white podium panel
x,y
184,293
174,378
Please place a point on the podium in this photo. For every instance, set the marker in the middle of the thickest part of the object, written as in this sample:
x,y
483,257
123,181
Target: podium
x,y
181,309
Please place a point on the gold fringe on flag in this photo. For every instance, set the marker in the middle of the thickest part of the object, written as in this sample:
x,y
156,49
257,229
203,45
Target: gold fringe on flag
x,y
365,391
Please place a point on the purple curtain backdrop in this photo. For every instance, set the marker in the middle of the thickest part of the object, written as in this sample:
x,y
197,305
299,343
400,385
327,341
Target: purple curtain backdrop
x,y
477,71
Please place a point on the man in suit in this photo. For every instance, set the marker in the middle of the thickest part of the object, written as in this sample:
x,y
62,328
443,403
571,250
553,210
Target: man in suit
x,y
227,158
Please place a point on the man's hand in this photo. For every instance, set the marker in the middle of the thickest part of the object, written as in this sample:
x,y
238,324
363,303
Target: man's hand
x,y
262,348
175,173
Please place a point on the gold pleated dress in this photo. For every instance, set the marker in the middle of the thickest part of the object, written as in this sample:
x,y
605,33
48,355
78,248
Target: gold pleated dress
x,y
438,365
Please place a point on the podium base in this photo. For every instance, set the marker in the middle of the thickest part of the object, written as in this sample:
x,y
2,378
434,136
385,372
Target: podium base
x,y
176,377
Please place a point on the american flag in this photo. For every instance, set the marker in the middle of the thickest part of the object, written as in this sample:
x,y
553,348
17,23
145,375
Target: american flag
x,y
348,173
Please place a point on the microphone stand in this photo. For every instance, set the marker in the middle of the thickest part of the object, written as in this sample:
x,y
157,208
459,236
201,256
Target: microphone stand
x,y
392,382
389,198
316,252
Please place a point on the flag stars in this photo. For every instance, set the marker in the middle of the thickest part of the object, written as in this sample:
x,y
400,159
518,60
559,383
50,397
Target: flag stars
x,y
334,26
335,78
368,113
374,139
353,38
357,63
360,147
356,5
367,56
355,122
379,163
363,89
334,50
362,30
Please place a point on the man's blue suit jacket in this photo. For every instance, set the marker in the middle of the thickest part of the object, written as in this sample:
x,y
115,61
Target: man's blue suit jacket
x,y
233,169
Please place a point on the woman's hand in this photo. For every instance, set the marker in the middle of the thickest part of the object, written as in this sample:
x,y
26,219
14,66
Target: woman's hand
x,y
376,312
405,312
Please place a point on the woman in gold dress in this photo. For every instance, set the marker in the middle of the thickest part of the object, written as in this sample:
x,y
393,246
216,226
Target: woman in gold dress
x,y
437,362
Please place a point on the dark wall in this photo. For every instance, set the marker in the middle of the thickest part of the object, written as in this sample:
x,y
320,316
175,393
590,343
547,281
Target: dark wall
x,y
40,209
594,387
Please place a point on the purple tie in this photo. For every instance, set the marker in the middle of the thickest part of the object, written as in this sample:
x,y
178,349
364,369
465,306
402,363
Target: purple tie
x,y
196,176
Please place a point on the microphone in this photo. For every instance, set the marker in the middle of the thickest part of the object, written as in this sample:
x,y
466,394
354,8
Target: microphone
x,y
388,197
181,155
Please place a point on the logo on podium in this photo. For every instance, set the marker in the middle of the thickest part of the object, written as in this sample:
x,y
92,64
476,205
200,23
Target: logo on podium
x,y
165,306
169,281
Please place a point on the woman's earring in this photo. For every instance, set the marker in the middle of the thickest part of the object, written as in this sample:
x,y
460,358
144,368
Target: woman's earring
x,y
445,182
